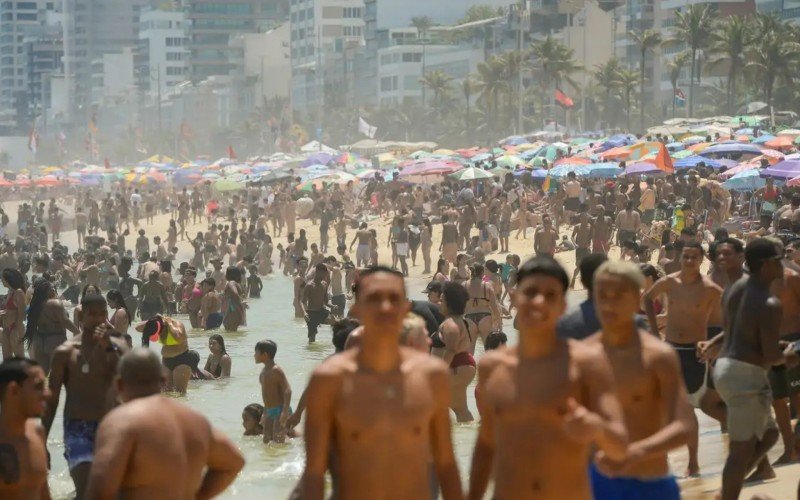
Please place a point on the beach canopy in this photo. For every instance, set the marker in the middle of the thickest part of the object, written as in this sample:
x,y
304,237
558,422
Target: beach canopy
x,y
471,174
786,169
748,180
733,147
642,168
695,160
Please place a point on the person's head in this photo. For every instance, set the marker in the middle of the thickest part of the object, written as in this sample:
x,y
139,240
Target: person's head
x,y
380,301
94,311
691,256
208,285
617,289
495,340
216,344
793,250
476,271
89,290
153,275
442,266
265,351
540,295
233,273
139,374
251,419
651,274
434,291
23,388
454,299
763,260
115,299
341,331
414,334
13,279
320,272
588,266
729,254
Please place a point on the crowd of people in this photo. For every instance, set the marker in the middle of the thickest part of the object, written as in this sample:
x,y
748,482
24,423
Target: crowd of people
x,y
695,313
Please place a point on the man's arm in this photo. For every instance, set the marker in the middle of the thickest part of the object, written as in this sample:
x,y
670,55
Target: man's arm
x,y
660,287
483,455
321,393
113,450
286,390
223,464
768,328
441,442
58,373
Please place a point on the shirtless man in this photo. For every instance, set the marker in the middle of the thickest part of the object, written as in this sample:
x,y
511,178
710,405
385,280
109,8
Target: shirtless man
x,y
658,415
378,405
153,447
299,282
338,297
601,231
23,453
749,347
363,236
275,393
545,402
582,236
152,297
314,301
449,245
210,316
85,366
545,238
691,300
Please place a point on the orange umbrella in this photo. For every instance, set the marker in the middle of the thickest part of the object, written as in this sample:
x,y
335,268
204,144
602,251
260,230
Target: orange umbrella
x,y
699,146
573,160
780,142
620,153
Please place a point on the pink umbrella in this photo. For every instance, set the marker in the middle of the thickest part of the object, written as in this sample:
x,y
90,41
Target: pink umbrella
x,y
435,167
739,168
47,180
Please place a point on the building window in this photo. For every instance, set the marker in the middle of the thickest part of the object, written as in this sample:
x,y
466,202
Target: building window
x,y
174,56
26,17
174,41
26,5
174,71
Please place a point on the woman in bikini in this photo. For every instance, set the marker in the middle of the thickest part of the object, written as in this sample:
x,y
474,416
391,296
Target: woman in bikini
x,y
14,314
459,335
218,363
483,308
460,273
121,317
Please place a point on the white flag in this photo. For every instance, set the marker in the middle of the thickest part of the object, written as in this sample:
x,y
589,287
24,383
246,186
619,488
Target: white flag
x,y
366,129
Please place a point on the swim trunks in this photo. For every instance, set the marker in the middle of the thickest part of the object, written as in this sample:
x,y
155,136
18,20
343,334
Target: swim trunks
x,y
785,381
744,388
362,253
275,412
213,321
693,370
572,204
629,488
189,358
711,332
79,436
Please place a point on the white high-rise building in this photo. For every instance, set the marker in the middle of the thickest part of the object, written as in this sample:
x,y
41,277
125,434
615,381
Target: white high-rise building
x,y
161,61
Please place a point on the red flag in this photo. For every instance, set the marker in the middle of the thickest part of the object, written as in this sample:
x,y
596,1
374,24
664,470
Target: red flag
x,y
563,99
231,153
663,160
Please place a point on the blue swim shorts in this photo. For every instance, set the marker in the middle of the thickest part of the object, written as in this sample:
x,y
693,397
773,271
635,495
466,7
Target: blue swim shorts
x,y
628,488
79,436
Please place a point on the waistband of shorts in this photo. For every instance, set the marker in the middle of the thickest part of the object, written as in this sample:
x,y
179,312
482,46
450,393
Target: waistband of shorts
x,y
792,337
677,346
741,365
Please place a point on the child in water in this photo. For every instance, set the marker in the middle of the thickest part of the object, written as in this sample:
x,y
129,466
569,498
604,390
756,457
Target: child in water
x,y
275,391
254,284
251,419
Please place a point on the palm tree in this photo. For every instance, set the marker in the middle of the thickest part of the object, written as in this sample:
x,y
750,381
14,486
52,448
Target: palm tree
x,y
675,66
491,83
645,40
607,78
774,55
730,39
513,63
555,63
692,27
439,83
627,79
468,87
422,25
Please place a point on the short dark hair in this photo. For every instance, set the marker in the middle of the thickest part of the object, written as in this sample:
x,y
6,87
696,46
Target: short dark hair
x,y
267,346
233,273
759,251
737,244
455,297
375,270
14,370
341,330
544,265
91,299
494,340
694,244
588,266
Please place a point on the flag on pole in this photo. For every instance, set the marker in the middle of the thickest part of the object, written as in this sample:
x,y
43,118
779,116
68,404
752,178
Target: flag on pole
x,y
663,160
366,129
563,99
231,153
33,139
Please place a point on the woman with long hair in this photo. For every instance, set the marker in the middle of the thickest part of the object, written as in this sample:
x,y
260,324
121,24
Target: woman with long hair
x,y
14,314
87,290
442,268
483,307
122,317
459,335
218,363
232,304
48,323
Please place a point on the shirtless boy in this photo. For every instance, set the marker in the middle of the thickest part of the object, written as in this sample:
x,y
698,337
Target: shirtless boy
x,y
153,447
85,366
658,415
749,348
210,315
691,299
275,391
314,301
379,405
363,236
545,402
23,455
545,238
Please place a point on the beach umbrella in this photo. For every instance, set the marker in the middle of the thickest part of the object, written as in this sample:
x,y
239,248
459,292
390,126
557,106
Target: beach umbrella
x,y
693,161
445,152
642,168
762,139
159,159
509,161
22,182
514,140
318,158
750,121
732,148
273,176
794,182
366,173
675,146
748,180
773,156
226,185
787,169
5,183
601,170
780,142
692,139
789,132
536,173
47,181
471,174
745,131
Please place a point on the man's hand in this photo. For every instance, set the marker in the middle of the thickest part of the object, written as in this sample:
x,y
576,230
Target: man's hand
x,y
613,468
579,423
708,351
102,334
293,420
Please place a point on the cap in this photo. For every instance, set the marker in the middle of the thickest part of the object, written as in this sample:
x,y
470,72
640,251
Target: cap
x,y
434,286
760,250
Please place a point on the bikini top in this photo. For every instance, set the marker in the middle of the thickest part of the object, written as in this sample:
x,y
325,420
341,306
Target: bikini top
x,y
436,337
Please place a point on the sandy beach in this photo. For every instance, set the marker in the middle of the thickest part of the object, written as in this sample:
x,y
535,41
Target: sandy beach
x,y
713,446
